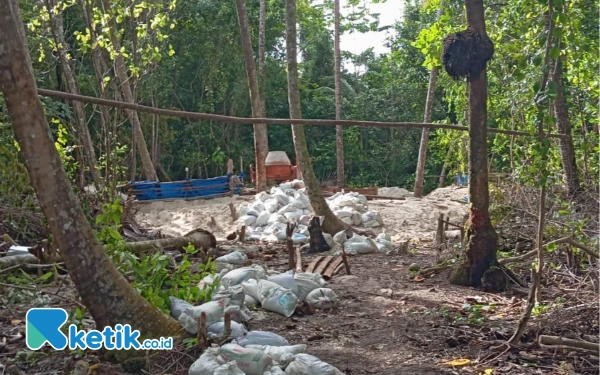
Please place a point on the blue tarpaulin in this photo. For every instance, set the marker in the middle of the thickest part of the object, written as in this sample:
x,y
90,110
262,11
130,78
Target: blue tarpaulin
x,y
190,188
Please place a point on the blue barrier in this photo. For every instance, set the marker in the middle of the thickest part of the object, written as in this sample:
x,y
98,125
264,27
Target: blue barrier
x,y
191,188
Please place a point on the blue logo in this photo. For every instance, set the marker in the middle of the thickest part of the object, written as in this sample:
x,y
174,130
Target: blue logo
x,y
44,326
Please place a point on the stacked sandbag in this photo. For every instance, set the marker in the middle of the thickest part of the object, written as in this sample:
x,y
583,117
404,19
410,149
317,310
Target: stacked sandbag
x,y
266,218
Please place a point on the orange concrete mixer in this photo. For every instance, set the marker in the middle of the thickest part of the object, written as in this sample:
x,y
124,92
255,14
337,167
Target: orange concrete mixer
x,y
279,168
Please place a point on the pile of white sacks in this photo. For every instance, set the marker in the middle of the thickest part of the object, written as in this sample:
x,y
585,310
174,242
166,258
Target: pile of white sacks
x,y
266,218
255,352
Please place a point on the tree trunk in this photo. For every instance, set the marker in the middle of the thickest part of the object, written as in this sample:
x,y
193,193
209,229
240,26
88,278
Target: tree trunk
x,y
262,35
331,223
481,244
420,175
260,130
442,180
339,130
567,150
109,297
121,73
58,34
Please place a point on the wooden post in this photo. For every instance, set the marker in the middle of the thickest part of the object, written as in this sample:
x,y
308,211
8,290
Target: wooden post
x,y
439,235
234,216
289,231
202,336
242,235
345,260
298,261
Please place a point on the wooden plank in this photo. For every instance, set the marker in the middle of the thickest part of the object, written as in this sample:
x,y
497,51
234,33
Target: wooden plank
x,y
323,264
314,264
331,268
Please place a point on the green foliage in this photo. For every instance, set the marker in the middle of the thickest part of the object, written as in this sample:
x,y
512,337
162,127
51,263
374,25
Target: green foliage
x,y
154,275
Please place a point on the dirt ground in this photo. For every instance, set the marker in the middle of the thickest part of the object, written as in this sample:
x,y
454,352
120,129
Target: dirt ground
x,y
388,321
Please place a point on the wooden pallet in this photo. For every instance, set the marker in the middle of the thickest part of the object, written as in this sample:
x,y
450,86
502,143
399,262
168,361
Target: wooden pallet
x,y
325,265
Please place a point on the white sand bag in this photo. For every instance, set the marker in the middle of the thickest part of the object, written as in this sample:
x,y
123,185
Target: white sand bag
x,y
340,237
230,368
250,301
387,244
264,288
283,355
178,306
263,338
236,257
263,218
306,364
276,218
274,370
243,208
281,301
238,314
322,298
251,289
305,284
258,206
214,313
218,329
285,280
247,220
250,361
271,205
299,238
235,294
360,244
301,200
383,236
298,184
238,276
263,196
208,362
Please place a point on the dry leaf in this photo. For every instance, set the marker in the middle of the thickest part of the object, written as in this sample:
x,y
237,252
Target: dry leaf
x,y
458,362
16,322
419,279
391,311
489,371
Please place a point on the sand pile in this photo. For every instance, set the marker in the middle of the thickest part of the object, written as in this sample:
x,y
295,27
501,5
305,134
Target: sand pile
x,y
413,218
394,192
178,217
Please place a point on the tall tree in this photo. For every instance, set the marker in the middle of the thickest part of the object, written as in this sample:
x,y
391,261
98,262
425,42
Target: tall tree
x,y
105,292
262,36
126,91
331,223
420,174
481,246
62,48
260,130
563,125
337,62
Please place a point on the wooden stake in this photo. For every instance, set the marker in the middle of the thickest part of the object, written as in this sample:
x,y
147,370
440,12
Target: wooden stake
x,y
234,216
298,261
345,260
202,336
439,235
289,231
242,235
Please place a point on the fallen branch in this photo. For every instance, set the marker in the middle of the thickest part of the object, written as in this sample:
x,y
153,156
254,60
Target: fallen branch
x,y
567,240
568,343
433,270
15,261
163,243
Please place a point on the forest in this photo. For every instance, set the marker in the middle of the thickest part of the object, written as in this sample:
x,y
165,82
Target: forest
x,y
438,214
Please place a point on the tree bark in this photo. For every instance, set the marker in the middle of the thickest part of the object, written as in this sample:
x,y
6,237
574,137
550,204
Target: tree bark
x,y
105,292
262,35
58,34
331,223
481,246
339,130
260,130
121,73
567,150
420,175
